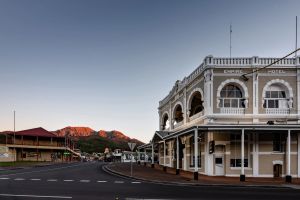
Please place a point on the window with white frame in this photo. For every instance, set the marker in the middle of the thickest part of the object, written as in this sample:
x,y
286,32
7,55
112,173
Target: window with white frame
x,y
231,97
276,97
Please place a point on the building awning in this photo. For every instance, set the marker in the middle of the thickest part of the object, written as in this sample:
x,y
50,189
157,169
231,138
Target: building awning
x,y
225,127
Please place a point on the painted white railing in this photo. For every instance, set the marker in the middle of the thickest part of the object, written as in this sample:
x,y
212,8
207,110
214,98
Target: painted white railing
x,y
178,124
278,111
233,111
196,116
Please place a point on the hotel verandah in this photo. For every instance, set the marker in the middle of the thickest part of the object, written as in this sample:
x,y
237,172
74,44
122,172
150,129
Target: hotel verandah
x,y
35,144
215,119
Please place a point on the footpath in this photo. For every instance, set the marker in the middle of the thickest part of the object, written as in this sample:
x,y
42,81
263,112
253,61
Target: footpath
x,y
157,175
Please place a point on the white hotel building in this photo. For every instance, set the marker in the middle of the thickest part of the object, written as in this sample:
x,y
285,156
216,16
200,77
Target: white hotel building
x,y
215,119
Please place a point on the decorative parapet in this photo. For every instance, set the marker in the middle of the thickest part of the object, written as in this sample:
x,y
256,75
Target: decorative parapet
x,y
210,61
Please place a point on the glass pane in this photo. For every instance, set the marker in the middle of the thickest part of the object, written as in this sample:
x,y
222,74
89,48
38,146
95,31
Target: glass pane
x,y
242,103
238,93
274,94
221,103
276,103
230,93
281,94
226,103
271,104
219,161
234,103
223,93
268,95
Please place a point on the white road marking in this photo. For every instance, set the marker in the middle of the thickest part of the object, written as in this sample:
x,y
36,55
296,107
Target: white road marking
x,y
4,178
35,196
136,182
52,180
19,179
101,181
68,180
35,179
119,181
85,181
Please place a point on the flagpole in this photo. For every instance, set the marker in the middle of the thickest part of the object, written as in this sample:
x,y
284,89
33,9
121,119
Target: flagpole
x,y
296,37
230,32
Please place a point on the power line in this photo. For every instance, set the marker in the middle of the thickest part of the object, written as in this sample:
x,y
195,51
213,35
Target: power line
x,y
276,61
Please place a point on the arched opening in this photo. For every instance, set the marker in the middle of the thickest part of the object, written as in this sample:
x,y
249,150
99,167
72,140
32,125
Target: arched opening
x,y
231,97
276,97
178,114
196,104
165,124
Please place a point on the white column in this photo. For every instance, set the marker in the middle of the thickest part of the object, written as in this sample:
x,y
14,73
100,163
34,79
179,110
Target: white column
x,y
152,160
164,153
255,97
209,167
298,92
145,153
242,152
196,149
177,153
298,155
288,161
255,155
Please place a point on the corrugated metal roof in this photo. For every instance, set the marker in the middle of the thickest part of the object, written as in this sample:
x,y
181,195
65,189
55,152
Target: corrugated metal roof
x,y
40,132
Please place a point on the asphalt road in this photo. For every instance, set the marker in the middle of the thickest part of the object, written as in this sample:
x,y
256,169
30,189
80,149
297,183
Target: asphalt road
x,y
87,181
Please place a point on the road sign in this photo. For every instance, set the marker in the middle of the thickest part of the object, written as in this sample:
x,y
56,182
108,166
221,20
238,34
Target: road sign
x,y
131,145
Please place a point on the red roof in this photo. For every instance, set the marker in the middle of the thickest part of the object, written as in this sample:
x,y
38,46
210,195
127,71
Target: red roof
x,y
36,132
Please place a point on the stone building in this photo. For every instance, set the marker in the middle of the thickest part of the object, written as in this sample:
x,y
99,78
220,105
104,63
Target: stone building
x,y
233,117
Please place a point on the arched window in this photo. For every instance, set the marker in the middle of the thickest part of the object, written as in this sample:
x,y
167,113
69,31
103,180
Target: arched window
x,y
196,104
178,115
276,97
231,97
166,123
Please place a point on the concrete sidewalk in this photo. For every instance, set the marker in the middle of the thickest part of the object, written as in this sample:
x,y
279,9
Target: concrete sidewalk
x,y
156,174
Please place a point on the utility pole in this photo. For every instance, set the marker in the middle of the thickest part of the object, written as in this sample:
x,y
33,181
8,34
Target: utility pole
x,y
14,126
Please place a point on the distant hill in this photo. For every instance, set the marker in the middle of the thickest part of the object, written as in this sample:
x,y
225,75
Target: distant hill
x,y
90,140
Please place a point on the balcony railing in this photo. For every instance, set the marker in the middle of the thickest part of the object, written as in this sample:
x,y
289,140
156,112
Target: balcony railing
x,y
233,111
178,124
278,111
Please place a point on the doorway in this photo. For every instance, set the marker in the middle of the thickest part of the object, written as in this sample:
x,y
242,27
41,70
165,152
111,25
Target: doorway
x,y
277,170
219,166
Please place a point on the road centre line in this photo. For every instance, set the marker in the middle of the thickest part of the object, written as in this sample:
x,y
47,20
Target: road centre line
x,y
136,182
4,178
101,181
119,181
19,179
52,180
84,181
35,196
35,179
68,180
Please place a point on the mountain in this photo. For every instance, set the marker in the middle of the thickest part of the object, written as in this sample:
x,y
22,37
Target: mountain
x,y
75,131
90,140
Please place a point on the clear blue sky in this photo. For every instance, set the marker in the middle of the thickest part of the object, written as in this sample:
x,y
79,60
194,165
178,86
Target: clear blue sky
x,y
106,64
